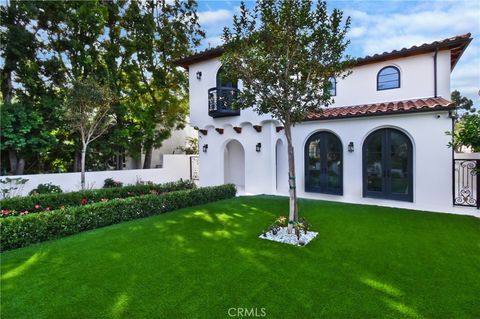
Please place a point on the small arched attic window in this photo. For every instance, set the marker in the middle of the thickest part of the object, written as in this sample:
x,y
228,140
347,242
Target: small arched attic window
x,y
388,78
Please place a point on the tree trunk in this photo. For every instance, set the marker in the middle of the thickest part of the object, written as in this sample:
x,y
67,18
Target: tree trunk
x,y
293,211
6,85
12,156
120,160
82,174
147,163
20,166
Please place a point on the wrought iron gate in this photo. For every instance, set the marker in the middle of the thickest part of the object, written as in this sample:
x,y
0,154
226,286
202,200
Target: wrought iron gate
x,y
194,168
466,182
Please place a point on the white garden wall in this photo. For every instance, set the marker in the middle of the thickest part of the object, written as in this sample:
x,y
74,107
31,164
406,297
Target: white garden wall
x,y
175,167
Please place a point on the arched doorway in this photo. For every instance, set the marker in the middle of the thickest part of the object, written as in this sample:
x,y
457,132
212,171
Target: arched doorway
x,y
324,164
388,165
234,164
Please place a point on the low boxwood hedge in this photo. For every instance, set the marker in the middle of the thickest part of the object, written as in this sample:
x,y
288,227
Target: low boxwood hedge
x,y
42,202
20,231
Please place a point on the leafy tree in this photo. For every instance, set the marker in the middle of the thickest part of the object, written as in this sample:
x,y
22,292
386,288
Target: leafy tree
x,y
88,108
284,52
462,102
128,46
156,34
21,127
467,128
22,133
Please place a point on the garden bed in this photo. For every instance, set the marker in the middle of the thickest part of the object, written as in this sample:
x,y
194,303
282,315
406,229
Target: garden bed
x,y
19,231
17,206
282,236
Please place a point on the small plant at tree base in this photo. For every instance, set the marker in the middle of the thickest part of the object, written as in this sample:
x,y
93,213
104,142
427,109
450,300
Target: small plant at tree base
x,y
274,228
12,186
110,182
47,188
301,225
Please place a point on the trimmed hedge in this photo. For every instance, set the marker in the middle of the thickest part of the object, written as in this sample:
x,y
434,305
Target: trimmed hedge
x,y
20,231
55,201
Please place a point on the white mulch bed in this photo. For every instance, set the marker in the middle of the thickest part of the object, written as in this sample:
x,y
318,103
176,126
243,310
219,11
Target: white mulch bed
x,y
283,236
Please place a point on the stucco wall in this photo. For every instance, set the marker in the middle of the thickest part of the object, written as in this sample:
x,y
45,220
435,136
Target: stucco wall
x,y
360,87
432,159
169,146
175,167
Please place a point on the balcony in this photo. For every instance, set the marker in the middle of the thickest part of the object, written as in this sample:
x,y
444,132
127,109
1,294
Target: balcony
x,y
220,101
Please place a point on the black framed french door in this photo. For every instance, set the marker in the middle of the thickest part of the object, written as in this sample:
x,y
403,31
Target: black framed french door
x,y
324,164
388,165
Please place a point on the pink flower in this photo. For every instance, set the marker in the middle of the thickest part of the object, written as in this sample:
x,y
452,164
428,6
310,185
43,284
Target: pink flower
x,y
84,201
48,208
6,211
37,206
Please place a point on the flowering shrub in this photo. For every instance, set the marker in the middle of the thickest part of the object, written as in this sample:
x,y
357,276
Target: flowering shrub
x,y
41,202
22,230
47,188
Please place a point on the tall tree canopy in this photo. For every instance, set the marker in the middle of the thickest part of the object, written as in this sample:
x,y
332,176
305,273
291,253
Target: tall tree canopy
x,y
128,46
285,52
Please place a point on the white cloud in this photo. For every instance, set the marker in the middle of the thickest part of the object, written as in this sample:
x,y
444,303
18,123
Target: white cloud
x,y
377,33
356,32
214,16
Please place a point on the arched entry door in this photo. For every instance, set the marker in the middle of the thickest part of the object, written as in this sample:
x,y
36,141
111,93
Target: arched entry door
x,y
388,165
234,164
324,164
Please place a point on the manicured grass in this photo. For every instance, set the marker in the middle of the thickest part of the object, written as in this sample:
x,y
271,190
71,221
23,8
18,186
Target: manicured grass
x,y
368,262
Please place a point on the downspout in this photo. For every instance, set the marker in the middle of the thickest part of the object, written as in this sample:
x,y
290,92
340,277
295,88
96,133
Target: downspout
x,y
453,116
435,72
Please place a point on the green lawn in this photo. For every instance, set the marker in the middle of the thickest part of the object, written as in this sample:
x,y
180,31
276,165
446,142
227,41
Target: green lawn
x,y
367,262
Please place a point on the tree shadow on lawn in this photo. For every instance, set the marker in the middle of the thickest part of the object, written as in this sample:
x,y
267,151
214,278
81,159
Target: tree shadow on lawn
x,y
201,261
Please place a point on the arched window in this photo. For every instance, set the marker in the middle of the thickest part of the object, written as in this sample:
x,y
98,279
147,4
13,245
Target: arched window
x,y
388,78
324,164
223,82
221,97
333,86
388,165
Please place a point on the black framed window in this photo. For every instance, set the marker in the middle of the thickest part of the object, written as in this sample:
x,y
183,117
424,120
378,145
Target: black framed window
x,y
388,78
324,164
224,82
333,86
388,165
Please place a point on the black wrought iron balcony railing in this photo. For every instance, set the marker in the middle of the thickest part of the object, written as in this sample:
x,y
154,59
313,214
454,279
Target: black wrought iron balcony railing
x,y
220,100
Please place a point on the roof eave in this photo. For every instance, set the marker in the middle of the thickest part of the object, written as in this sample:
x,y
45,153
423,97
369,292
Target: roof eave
x,y
424,110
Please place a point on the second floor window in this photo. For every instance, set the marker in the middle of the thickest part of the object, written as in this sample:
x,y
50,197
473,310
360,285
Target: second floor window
x,y
388,78
332,86
224,82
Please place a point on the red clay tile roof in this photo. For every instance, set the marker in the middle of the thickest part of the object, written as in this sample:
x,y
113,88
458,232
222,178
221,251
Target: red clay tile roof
x,y
406,106
456,44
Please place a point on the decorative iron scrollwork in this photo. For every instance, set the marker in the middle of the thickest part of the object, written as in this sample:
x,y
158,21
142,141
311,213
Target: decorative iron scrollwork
x,y
466,183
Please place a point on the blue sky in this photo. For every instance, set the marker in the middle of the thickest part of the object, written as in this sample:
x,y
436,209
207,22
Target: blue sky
x,y
379,26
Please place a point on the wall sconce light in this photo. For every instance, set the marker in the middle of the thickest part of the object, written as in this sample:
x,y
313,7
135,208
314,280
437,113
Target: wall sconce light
x,y
258,147
205,148
350,147
199,75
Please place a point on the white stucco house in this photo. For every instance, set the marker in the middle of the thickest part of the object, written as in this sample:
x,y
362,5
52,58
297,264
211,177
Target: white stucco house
x,y
382,142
